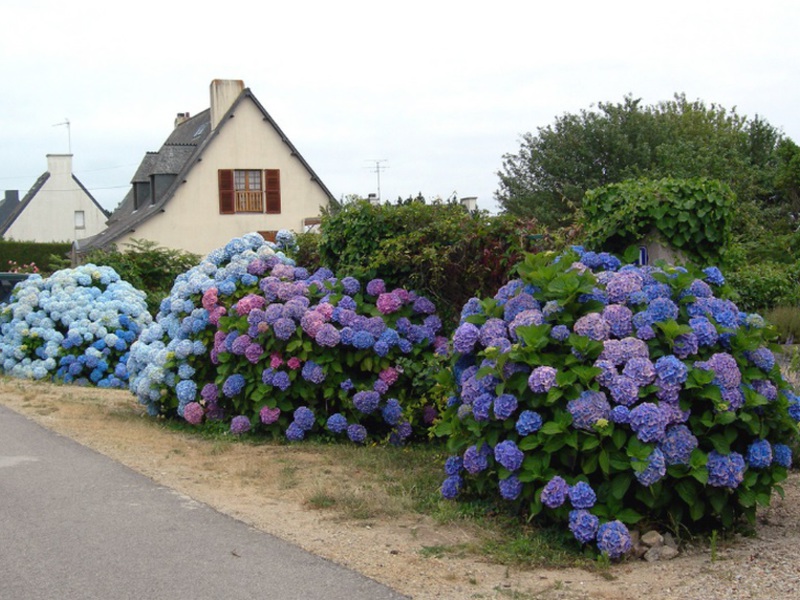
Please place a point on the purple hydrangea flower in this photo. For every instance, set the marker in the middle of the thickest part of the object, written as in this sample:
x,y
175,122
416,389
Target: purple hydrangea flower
x,y
280,380
542,379
328,336
763,358
725,471
588,408
620,319
423,305
593,326
210,392
624,390
655,470
284,328
583,525
705,331
581,495
559,333
476,460
510,487
725,368
376,287
622,285
641,370
505,406
528,422
193,413
649,422
620,414
614,539
685,345
671,370
389,303
304,417
392,411
677,445
481,407
240,425
766,388
465,337
508,455
268,415
313,373
555,492
367,401
357,433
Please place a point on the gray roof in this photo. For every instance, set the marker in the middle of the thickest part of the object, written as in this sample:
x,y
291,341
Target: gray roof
x,y
177,156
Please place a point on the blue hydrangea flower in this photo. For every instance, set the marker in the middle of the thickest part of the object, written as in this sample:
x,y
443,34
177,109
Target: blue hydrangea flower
x,y
505,406
240,425
336,423
782,455
452,486
678,445
357,433
614,539
725,471
655,470
304,417
620,414
588,409
508,455
581,495
453,465
465,338
510,487
583,525
295,433
481,407
542,379
366,401
476,460
649,422
759,454
233,385
528,422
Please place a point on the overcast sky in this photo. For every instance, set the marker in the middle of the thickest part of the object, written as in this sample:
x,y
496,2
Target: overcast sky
x,y
437,90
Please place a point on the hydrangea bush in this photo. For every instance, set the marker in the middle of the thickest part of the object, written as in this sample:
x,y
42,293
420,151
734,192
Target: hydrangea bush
x,y
249,337
601,395
75,326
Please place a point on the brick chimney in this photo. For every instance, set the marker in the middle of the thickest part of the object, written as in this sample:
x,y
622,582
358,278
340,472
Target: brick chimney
x,y
224,93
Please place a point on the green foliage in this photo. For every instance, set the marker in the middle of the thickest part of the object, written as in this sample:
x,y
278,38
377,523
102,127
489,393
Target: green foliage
x,y
307,252
46,256
693,215
147,267
585,361
764,285
440,250
549,175
786,320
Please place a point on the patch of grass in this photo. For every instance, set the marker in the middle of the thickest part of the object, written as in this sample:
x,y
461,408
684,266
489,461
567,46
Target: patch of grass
x,y
440,551
287,477
321,500
517,545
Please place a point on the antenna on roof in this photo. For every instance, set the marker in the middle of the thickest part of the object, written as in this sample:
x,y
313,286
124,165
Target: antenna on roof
x,y
378,168
69,134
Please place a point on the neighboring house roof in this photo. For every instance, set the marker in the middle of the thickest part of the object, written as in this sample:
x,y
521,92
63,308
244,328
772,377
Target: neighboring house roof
x,y
177,156
37,186
8,204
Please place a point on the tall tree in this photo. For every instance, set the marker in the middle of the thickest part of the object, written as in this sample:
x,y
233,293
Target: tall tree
x,y
549,175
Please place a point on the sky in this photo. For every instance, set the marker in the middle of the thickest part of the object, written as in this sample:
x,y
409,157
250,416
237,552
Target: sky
x,y
433,93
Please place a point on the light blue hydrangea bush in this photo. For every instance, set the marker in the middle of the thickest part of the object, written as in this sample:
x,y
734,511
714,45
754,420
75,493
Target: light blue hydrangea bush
x,y
249,337
601,396
75,326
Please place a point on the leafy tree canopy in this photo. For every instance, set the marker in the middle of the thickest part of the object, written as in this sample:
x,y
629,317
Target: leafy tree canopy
x,y
549,175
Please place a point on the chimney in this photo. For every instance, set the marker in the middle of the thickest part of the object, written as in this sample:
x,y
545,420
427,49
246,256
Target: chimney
x,y
181,118
373,199
12,197
470,202
224,93
59,164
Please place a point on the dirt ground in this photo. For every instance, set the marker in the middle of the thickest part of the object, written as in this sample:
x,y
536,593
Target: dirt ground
x,y
269,487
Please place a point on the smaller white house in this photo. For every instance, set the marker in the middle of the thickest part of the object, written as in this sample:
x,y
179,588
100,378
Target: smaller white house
x,y
56,209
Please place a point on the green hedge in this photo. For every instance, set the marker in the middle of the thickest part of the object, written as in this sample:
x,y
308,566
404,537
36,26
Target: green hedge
x,y
25,253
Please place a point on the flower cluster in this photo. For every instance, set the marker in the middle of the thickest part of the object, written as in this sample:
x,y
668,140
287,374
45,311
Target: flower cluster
x,y
600,394
75,326
247,334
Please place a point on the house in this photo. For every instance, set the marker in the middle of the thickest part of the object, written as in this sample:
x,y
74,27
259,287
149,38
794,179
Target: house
x,y
58,208
226,171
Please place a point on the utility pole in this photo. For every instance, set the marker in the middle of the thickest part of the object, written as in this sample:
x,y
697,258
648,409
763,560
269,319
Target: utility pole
x,y
69,134
377,169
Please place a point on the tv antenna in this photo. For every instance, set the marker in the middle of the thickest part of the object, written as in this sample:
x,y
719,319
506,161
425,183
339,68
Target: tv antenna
x,y
69,134
377,169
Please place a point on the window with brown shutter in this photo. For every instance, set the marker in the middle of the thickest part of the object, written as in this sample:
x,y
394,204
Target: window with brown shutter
x,y
272,178
227,193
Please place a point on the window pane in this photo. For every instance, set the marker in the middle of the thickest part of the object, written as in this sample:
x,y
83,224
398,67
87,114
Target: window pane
x,y
239,180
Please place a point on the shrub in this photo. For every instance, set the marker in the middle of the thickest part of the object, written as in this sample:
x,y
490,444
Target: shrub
x,y
441,250
75,326
46,256
248,336
592,394
764,285
146,266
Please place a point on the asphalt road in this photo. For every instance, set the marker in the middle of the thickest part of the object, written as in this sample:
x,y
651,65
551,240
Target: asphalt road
x,y
77,525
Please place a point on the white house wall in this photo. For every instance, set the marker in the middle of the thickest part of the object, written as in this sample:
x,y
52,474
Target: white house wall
x,y
50,215
191,220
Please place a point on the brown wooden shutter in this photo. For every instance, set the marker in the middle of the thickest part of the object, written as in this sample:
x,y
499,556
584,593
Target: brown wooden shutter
x,y
227,193
272,188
